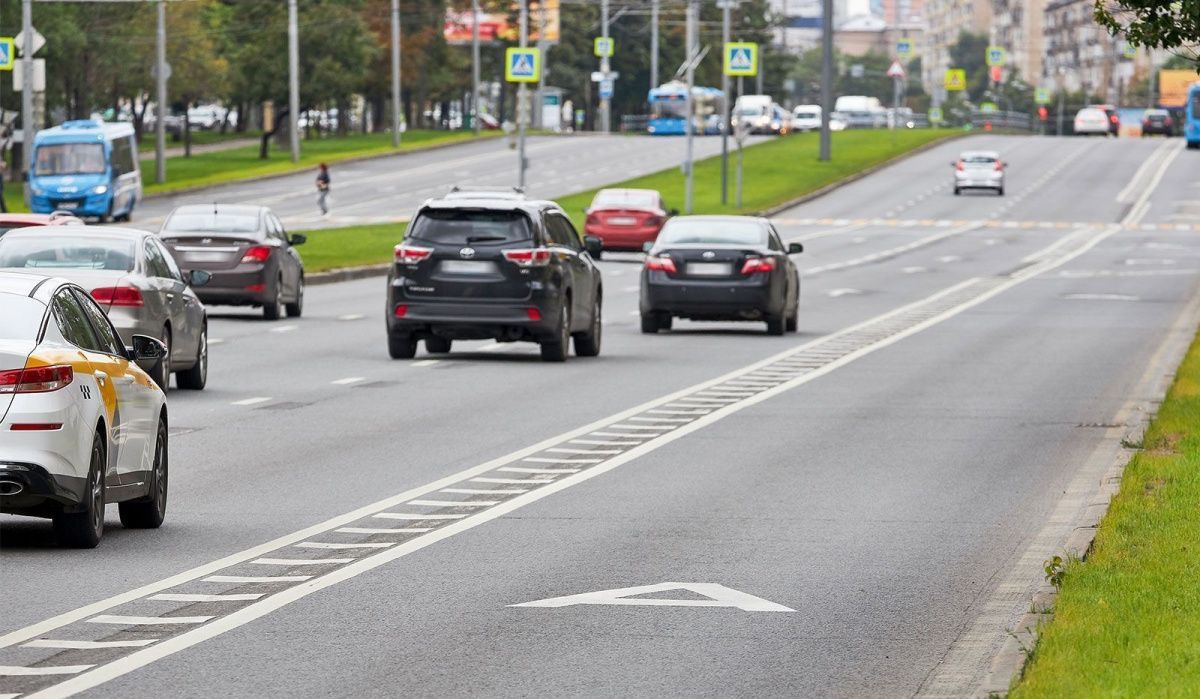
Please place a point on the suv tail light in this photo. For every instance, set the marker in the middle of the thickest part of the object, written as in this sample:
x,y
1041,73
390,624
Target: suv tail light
x,y
759,265
258,253
661,264
41,379
411,254
1114,118
533,257
118,296
960,166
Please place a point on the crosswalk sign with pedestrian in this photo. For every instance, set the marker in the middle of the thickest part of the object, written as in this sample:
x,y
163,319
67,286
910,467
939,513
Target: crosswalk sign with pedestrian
x,y
955,80
522,65
8,53
741,59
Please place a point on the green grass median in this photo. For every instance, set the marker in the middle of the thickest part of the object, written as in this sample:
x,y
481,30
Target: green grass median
x,y
351,246
774,172
1125,623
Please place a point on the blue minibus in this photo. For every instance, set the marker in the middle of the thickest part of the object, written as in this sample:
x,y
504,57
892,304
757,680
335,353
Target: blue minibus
x,y
89,168
1191,119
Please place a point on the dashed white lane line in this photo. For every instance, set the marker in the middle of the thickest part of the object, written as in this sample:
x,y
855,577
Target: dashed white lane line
x,y
122,620
347,381
284,328
892,252
383,530
913,270
410,517
178,597
352,316
1102,297
835,293
483,491
215,341
251,401
299,561
87,645
16,671
605,442
340,547
256,578
424,362
522,469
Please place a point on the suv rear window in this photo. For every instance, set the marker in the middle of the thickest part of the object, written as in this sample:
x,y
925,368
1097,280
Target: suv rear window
x,y
462,227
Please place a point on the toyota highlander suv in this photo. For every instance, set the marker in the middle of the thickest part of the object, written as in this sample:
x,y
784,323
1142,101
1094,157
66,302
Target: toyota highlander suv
x,y
477,265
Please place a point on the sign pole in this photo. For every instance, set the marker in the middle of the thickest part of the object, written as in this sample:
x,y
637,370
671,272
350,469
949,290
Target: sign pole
x,y
27,93
475,66
725,116
826,75
522,99
396,104
605,102
160,124
654,44
294,80
688,123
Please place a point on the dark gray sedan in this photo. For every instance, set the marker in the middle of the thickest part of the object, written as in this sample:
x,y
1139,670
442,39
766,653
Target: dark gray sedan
x,y
252,259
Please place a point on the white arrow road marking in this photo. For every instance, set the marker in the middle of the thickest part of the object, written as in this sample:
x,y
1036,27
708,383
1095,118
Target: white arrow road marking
x,y
718,596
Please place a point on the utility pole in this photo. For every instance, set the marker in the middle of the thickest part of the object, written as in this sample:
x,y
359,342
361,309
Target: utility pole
x,y
294,80
826,75
726,6
160,123
522,99
605,102
396,73
653,44
27,92
689,105
475,66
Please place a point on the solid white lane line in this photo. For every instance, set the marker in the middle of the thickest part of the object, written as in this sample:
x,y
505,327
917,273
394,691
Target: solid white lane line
x,y
85,645
347,381
397,515
255,578
377,530
180,597
544,460
585,451
335,547
454,503
520,469
18,671
424,362
299,561
483,491
122,620
251,401
514,481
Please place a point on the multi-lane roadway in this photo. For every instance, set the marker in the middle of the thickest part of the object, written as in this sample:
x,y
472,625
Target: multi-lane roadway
x,y
858,510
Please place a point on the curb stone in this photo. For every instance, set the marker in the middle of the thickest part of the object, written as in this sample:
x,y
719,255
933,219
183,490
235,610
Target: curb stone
x,y
346,274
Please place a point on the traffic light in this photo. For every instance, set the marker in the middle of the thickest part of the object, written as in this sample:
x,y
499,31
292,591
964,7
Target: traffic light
x,y
1043,113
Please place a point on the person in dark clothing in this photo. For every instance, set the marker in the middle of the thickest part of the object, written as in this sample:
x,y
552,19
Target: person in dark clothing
x,y
323,189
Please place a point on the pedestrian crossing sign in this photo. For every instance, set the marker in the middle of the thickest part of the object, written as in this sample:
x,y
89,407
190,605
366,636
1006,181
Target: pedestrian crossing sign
x,y
8,53
996,56
1042,95
522,65
603,46
741,59
935,115
955,80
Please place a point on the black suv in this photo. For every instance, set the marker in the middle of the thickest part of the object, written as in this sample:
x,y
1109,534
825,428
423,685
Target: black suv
x,y
476,265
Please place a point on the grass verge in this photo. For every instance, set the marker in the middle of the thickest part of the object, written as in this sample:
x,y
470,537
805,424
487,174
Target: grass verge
x,y
1125,621
775,172
351,246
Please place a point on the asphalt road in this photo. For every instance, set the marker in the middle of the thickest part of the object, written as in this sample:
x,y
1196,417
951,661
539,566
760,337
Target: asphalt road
x,y
870,486
384,189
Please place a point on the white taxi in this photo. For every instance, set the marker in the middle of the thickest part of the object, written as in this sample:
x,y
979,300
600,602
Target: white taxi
x,y
81,423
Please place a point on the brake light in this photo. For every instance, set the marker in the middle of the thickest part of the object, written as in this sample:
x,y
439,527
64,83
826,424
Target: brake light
x,y
40,379
960,166
759,265
118,296
411,255
256,288
999,166
258,253
534,314
1114,119
661,264
400,311
534,257
652,220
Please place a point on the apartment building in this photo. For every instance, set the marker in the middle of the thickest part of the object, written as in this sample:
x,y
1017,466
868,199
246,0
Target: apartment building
x,y
944,21
1018,26
1080,55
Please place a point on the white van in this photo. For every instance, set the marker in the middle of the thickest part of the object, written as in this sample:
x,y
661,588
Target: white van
x,y
755,112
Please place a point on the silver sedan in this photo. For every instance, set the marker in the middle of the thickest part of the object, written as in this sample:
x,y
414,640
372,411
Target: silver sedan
x,y
979,169
136,282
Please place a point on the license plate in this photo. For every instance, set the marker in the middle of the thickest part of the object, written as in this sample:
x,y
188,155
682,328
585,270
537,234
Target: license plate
x,y
623,221
68,205
467,267
207,256
708,269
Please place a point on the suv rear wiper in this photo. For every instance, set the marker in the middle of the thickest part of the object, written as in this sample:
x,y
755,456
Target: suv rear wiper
x,y
484,238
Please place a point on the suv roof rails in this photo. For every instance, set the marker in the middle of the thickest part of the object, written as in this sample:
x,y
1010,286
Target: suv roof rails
x,y
460,192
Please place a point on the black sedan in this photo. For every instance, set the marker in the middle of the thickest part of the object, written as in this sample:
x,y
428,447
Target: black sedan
x,y
720,268
252,259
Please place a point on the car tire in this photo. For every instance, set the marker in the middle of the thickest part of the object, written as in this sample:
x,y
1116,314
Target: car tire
x,y
587,344
149,512
196,378
957,191
295,308
650,323
402,346
84,529
1000,191
556,350
437,345
162,376
776,326
793,320
273,308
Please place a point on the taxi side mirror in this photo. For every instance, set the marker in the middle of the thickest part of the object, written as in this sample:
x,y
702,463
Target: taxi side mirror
x,y
594,245
147,352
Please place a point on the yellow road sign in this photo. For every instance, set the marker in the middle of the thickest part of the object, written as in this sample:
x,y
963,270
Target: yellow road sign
x,y
522,65
955,80
741,59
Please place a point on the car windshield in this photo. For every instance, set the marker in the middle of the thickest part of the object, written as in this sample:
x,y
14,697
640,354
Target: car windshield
x,y
70,159
63,252
22,317
613,199
460,227
750,111
808,115
669,109
208,221
713,232
976,159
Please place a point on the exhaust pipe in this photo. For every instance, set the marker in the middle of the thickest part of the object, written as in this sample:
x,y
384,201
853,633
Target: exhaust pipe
x,y
11,488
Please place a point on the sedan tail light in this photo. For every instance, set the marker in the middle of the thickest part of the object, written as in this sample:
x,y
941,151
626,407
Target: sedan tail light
x,y
960,166
40,379
999,166
1114,119
258,253
118,296
532,257
661,264
411,254
759,265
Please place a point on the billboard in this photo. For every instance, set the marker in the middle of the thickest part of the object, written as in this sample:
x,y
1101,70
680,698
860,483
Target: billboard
x,y
1173,86
498,26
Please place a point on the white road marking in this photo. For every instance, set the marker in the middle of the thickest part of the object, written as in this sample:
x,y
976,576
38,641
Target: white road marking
x,y
17,671
339,547
215,341
631,289
352,316
672,420
347,381
621,435
678,412
86,645
378,530
299,561
177,597
521,469
718,596
405,516
1151,262
514,481
424,362
1102,297
483,491
547,460
913,270
255,578
454,503
251,401
948,258
122,620
891,252
835,293
605,442
584,451
656,428
283,328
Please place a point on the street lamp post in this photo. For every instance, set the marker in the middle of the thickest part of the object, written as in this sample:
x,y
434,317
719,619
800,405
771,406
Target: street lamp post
x,y
726,6
605,102
294,80
826,75
522,98
475,66
27,124
653,44
160,79
395,73
689,105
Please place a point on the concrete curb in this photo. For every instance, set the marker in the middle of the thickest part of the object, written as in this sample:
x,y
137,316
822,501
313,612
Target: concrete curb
x,y
346,274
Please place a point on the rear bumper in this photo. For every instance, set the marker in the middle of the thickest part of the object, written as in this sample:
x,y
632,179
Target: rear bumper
x,y
711,301
232,288
623,238
39,493
89,205
979,182
474,321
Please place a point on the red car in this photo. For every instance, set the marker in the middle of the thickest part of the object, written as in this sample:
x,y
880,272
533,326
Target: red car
x,y
626,219
11,221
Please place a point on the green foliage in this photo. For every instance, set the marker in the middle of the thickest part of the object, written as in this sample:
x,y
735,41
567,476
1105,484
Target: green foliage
x,y
968,53
1165,24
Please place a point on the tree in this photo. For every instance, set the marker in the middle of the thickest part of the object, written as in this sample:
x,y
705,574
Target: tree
x,y
1165,24
969,54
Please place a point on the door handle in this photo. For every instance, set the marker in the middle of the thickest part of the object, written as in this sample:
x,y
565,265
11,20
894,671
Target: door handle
x,y
101,377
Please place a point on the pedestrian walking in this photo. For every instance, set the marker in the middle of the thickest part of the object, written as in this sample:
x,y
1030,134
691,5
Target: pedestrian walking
x,y
323,189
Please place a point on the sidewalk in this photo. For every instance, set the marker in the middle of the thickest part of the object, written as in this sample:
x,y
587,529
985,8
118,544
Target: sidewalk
x,y
177,151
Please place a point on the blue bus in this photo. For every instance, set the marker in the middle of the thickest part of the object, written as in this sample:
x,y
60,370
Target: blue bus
x,y
89,168
668,105
1191,119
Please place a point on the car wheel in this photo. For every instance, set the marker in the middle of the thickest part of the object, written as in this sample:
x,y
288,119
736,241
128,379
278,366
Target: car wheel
x,y
650,323
793,320
957,191
195,378
83,529
273,308
776,326
587,344
437,345
150,511
162,376
295,308
556,350
1000,191
402,346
